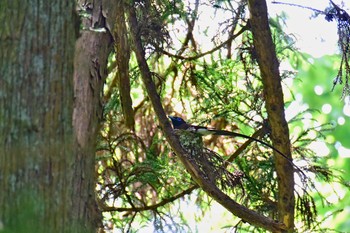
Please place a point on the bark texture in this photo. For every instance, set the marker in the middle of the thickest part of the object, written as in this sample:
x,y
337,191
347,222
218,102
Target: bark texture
x,y
269,68
90,63
37,165
122,48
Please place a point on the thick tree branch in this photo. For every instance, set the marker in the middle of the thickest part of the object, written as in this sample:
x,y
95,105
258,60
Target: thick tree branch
x,y
269,68
90,62
122,48
242,212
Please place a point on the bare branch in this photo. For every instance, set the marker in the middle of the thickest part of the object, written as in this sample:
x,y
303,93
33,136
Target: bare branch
x,y
150,207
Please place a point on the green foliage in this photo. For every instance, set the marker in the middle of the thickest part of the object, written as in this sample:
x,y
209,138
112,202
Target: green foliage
x,y
317,75
141,183
315,84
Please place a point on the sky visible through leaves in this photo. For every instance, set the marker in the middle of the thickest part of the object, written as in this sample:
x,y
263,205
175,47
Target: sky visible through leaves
x,y
308,88
318,38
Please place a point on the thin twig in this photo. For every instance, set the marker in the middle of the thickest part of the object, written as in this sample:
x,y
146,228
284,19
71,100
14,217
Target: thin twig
x,y
300,6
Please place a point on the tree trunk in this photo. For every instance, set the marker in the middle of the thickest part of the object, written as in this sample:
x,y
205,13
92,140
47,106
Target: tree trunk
x,y
269,68
37,162
90,63
122,48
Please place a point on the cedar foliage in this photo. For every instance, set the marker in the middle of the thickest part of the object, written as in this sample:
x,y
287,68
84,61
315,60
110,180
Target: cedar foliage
x,y
140,181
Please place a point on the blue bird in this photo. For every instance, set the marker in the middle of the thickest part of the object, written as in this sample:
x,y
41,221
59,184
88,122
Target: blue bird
x,y
179,123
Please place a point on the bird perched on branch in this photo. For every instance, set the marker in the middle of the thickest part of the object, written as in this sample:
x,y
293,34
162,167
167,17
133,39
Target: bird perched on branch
x,y
179,123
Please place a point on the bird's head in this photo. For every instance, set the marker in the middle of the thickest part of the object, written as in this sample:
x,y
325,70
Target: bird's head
x,y
177,121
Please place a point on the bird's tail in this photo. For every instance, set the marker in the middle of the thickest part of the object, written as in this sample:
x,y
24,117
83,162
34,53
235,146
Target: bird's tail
x,y
234,134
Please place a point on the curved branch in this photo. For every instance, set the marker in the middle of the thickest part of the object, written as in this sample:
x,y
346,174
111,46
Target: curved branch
x,y
122,48
151,207
240,211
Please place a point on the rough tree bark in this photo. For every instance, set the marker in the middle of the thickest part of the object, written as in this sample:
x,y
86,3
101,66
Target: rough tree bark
x,y
37,161
90,63
122,48
46,167
269,68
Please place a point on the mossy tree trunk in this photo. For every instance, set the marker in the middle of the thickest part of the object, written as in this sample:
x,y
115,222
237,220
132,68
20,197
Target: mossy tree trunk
x,y
37,146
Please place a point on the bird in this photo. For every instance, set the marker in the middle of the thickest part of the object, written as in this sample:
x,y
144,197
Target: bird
x,y
179,123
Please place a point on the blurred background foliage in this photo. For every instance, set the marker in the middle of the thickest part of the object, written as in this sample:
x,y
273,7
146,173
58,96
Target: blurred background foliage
x,y
204,65
314,87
